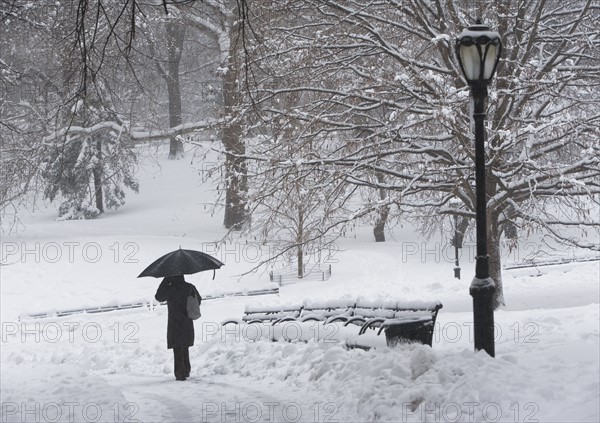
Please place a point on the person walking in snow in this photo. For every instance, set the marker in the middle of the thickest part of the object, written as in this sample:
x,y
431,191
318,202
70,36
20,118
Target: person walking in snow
x,y
180,328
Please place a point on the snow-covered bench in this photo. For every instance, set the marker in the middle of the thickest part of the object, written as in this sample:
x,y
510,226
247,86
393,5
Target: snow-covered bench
x,y
401,321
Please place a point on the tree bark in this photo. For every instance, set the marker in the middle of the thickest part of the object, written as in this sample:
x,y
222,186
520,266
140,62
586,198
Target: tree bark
x,y
97,174
459,232
299,243
382,214
495,263
236,179
235,165
175,34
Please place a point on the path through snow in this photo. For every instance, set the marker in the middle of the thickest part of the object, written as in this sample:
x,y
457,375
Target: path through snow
x,y
228,399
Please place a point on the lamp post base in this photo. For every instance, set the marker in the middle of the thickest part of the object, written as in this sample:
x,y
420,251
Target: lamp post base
x,y
482,290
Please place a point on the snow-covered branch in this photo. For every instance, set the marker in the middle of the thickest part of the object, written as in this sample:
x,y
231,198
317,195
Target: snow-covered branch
x,y
135,134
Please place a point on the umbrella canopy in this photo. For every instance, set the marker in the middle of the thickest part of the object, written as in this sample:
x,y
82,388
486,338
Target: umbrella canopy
x,y
181,262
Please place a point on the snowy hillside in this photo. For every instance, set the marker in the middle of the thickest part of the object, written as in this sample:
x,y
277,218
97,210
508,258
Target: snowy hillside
x,y
115,366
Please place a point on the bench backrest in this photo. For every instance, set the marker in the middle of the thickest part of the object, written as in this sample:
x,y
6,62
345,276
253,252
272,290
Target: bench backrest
x,y
322,310
268,314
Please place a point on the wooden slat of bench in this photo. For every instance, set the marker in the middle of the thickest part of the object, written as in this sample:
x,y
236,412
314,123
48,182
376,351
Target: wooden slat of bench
x,y
378,312
270,316
324,314
411,314
271,309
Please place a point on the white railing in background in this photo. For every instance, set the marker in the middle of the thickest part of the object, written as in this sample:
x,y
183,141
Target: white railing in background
x,y
142,304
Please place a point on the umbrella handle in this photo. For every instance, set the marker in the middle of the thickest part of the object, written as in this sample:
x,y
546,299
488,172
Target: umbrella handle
x,y
214,274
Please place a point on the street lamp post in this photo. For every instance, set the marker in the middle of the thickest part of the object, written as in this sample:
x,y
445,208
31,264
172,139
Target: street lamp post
x,y
478,51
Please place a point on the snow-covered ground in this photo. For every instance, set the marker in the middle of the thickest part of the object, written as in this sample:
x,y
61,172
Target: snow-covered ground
x,y
115,366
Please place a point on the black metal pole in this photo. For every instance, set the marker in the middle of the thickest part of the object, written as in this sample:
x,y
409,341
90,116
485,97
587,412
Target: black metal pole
x,y
483,287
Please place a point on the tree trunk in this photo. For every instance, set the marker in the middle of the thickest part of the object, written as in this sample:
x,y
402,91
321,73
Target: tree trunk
x,y
379,229
236,179
459,232
175,32
300,259
382,213
235,164
496,265
97,174
299,243
300,262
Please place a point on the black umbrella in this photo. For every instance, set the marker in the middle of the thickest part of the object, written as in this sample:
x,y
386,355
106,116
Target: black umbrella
x,y
181,262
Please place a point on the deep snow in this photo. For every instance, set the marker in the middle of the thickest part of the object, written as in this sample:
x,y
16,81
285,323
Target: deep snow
x,y
115,366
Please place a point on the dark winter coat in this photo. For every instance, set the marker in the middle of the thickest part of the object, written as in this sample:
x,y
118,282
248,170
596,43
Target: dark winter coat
x,y
180,328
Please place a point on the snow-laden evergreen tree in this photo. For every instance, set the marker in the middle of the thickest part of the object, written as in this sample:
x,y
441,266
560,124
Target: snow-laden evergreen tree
x,y
89,173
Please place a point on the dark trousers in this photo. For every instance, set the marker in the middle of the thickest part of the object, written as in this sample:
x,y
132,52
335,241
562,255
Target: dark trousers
x,y
182,362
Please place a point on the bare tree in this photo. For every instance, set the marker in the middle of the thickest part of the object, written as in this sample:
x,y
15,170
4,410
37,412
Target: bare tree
x,y
295,208
175,35
395,57
221,20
